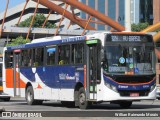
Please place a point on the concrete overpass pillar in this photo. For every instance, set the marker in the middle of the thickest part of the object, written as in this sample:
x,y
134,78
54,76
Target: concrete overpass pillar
x,y
127,15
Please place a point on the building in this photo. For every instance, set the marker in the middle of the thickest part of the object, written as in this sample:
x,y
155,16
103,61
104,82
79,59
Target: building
x,y
112,8
142,11
156,11
14,13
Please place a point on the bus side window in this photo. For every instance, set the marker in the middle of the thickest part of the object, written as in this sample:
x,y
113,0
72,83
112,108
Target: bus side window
x,y
51,56
64,54
8,59
77,53
26,58
38,55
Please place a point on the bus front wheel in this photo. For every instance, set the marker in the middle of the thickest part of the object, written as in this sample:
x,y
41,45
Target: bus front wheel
x,y
83,103
30,95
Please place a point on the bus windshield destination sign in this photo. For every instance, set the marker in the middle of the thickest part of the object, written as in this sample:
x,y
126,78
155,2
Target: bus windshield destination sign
x,y
128,38
116,38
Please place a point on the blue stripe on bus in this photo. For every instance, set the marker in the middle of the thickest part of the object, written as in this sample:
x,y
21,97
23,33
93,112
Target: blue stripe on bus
x,y
27,72
128,87
57,76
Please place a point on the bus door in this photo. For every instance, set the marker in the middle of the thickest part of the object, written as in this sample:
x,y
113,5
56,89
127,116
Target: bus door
x,y
16,71
93,68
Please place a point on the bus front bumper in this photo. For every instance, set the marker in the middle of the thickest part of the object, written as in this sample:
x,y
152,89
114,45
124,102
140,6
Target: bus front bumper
x,y
111,95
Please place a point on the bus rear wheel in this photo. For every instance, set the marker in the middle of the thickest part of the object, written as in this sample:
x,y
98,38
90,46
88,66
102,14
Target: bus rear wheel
x,y
82,101
125,104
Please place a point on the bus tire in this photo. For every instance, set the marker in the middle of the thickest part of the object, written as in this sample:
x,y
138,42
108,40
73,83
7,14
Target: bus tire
x,y
125,104
30,96
82,100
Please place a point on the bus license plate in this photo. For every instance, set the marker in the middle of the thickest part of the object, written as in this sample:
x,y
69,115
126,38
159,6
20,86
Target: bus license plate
x,y
134,94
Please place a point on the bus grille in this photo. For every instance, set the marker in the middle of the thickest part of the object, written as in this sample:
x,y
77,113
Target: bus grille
x,y
133,79
127,93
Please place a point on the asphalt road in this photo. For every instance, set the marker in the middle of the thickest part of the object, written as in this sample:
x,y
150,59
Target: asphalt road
x,y
143,110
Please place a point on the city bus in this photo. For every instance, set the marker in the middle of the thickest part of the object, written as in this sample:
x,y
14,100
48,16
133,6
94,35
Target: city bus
x,y
83,70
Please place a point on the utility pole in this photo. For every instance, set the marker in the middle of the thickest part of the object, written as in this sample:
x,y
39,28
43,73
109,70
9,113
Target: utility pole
x,y
127,15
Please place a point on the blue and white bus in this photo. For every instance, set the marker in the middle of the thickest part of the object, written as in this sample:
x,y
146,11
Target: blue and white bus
x,y
114,67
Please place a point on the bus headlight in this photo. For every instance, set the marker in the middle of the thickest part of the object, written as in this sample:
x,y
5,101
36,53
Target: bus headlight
x,y
152,87
112,87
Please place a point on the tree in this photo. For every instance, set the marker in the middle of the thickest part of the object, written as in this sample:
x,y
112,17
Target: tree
x,y
38,22
138,27
18,41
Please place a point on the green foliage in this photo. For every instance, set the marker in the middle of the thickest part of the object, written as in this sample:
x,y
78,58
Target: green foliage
x,y
38,22
18,41
157,30
138,27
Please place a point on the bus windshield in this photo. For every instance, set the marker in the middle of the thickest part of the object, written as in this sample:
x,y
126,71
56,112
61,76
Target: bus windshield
x,y
122,58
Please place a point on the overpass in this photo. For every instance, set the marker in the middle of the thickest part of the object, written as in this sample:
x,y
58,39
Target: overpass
x,y
9,33
70,15
13,32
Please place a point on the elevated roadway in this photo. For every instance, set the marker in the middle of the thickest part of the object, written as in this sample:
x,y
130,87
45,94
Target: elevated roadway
x,y
14,32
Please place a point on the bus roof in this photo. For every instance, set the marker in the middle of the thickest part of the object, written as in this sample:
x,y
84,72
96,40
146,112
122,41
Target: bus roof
x,y
47,39
46,43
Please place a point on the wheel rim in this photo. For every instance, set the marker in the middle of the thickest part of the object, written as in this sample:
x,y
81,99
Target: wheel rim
x,y
82,98
29,96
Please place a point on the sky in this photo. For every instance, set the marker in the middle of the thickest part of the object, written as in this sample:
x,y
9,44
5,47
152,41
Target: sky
x,y
12,3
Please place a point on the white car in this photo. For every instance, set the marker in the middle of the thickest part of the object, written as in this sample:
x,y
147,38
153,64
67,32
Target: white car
x,y
3,96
